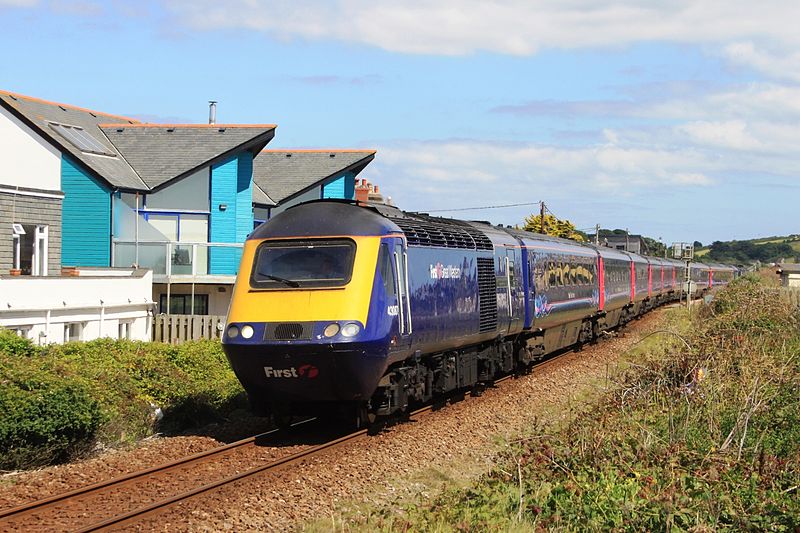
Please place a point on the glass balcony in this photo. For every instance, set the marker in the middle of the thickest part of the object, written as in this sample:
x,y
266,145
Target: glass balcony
x,y
179,259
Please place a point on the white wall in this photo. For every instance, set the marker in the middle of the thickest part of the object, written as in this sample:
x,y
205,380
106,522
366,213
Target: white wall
x,y
28,160
41,307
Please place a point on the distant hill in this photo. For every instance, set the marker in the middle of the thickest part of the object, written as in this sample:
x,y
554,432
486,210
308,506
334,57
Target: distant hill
x,y
773,249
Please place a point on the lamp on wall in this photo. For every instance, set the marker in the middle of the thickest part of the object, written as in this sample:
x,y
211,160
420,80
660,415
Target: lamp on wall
x,y
223,207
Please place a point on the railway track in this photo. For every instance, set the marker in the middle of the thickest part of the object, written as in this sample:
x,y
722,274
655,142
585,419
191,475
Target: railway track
x,y
96,507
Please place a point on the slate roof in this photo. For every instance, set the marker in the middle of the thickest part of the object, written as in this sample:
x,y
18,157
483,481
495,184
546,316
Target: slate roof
x,y
161,152
40,113
281,174
141,156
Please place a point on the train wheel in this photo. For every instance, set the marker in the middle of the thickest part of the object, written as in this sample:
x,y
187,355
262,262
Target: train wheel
x,y
364,418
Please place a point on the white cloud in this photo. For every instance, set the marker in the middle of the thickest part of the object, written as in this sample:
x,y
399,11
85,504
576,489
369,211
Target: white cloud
x,y
517,27
728,134
777,64
471,172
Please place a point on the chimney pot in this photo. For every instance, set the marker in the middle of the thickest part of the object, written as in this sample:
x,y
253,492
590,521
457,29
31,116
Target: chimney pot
x,y
212,111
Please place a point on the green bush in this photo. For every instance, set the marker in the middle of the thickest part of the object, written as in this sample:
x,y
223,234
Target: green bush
x,y
57,401
45,416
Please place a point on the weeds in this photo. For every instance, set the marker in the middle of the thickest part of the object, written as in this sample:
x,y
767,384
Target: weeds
x,y
699,433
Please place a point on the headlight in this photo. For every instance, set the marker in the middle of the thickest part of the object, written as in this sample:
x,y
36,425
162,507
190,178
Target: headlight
x,y
247,331
351,330
331,330
233,332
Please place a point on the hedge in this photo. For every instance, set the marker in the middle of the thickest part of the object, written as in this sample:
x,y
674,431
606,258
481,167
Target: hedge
x,y
58,401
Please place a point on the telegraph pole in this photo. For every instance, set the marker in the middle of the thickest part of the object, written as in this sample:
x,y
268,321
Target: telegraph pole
x,y
597,235
627,240
541,215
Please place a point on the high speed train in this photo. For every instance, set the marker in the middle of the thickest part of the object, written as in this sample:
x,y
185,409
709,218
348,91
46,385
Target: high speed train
x,y
365,309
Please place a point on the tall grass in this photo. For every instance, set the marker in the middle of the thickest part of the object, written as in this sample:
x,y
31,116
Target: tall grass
x,y
701,434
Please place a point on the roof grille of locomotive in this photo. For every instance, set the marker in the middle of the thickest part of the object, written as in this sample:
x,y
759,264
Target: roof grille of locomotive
x,y
423,230
288,331
487,294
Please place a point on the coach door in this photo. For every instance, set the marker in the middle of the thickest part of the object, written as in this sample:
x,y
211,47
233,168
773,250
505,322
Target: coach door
x,y
403,288
506,289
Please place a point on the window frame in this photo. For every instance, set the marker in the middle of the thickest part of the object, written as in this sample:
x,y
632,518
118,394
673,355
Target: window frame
x,y
275,285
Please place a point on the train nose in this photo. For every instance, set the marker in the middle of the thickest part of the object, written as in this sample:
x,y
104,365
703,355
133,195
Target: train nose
x,y
297,374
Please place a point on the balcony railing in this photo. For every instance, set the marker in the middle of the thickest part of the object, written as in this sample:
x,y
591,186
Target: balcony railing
x,y
183,259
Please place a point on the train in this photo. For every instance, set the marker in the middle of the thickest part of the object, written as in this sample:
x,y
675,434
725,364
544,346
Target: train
x,y
364,310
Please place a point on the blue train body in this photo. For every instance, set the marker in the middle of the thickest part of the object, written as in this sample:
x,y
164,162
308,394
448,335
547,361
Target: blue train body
x,y
411,306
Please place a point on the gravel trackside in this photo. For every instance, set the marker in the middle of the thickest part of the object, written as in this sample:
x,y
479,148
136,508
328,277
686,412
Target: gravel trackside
x,y
404,463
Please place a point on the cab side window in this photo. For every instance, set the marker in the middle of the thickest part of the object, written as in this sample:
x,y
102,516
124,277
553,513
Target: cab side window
x,y
386,270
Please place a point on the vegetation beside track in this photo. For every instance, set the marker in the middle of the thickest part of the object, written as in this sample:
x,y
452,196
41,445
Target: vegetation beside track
x,y
701,432
59,401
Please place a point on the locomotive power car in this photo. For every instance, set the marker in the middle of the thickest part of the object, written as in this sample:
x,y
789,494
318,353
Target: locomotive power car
x,y
366,309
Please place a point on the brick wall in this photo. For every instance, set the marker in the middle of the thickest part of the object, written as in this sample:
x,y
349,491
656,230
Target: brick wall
x,y
28,209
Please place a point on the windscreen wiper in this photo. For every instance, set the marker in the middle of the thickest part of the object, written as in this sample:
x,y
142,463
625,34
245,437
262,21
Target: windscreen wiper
x,y
289,282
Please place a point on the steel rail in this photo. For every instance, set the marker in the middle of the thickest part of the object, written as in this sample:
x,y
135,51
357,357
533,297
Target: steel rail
x,y
275,465
159,506
121,481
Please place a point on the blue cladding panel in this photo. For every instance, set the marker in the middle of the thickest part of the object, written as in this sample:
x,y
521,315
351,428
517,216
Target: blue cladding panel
x,y
335,188
244,197
224,181
86,218
349,186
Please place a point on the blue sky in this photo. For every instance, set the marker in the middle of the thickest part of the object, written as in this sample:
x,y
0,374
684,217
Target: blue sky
x,y
675,119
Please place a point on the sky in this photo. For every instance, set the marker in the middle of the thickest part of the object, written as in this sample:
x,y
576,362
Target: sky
x,y
675,119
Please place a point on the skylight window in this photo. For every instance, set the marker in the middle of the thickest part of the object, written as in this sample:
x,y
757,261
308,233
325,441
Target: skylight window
x,y
81,139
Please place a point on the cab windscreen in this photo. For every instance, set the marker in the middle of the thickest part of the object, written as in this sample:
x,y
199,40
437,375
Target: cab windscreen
x,y
306,263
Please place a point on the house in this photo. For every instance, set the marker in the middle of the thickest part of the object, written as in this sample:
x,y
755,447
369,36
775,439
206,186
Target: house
x,y
90,189
85,188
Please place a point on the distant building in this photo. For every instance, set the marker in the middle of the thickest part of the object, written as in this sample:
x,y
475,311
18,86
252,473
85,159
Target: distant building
x,y
628,243
790,274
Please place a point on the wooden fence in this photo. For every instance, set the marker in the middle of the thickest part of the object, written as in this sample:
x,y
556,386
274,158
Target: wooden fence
x,y
175,329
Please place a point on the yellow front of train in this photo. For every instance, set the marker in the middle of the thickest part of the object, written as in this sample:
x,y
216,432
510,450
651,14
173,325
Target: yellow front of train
x,y
307,322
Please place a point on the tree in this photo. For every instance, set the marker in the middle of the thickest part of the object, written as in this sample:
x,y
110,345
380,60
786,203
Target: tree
x,y
697,244
654,247
553,226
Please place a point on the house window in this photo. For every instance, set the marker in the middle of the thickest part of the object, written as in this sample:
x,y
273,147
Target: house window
x,y
181,304
29,249
124,329
23,331
73,331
